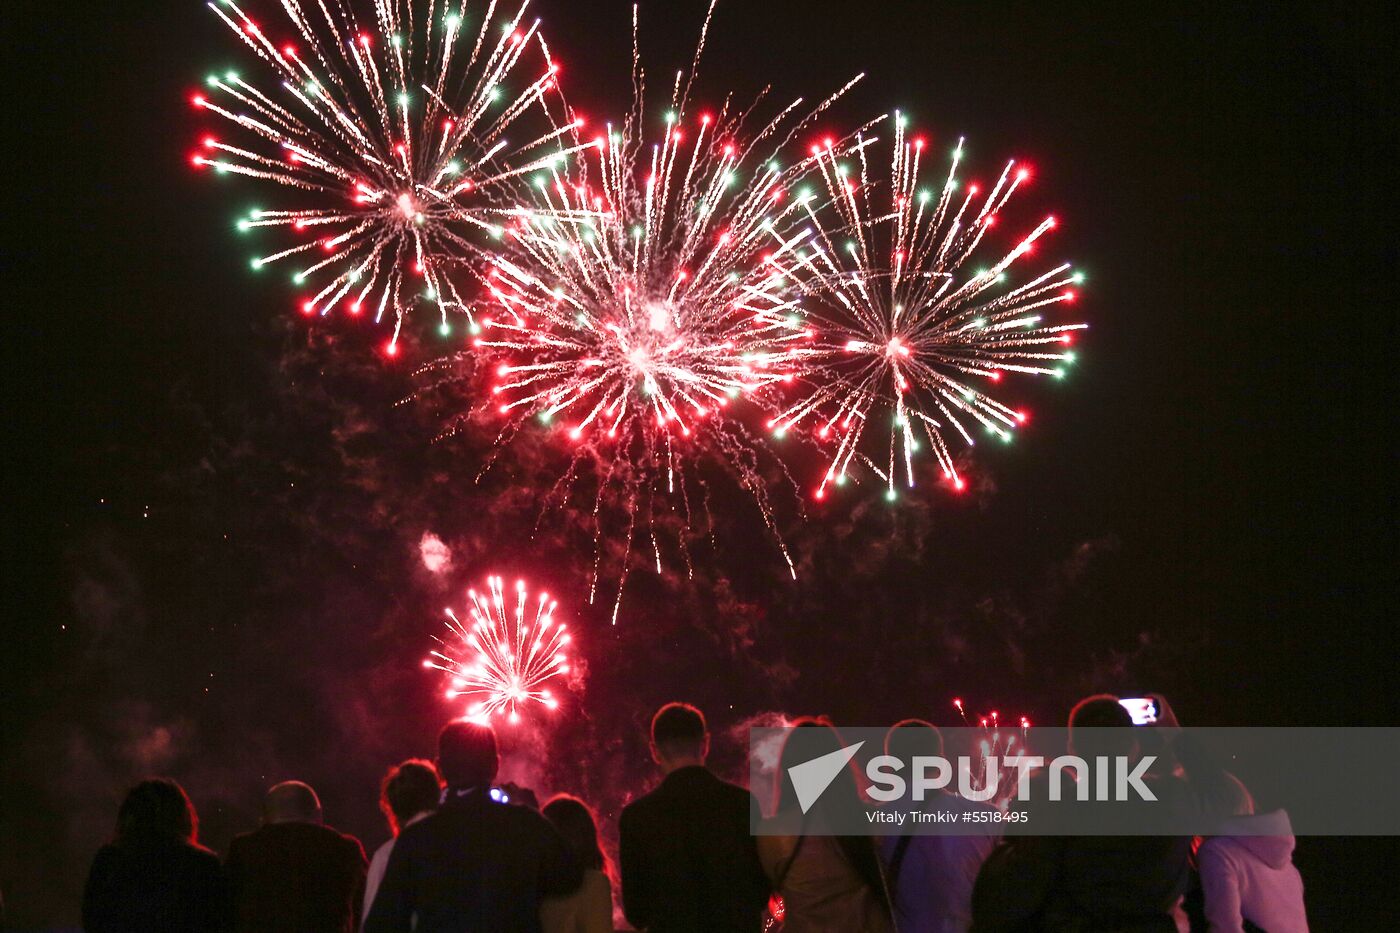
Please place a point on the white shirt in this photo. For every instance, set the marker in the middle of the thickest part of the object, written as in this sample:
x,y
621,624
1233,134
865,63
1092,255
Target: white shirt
x,y
379,863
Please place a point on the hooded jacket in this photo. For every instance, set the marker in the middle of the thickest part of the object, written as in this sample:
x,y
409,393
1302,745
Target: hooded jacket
x,y
1247,873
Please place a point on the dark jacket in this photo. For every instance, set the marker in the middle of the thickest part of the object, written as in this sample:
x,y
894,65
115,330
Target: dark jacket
x,y
296,878
474,866
688,859
1101,883
155,886
1104,884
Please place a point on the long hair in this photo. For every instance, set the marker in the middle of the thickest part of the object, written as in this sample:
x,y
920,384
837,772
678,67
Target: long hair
x,y
575,822
409,788
157,809
812,737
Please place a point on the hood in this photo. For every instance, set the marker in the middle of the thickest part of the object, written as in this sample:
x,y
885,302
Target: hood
x,y
1268,837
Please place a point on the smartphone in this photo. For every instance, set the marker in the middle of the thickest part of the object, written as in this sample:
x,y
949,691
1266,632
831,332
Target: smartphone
x,y
1143,710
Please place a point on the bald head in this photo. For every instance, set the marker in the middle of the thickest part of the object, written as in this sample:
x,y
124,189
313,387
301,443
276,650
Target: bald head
x,y
291,802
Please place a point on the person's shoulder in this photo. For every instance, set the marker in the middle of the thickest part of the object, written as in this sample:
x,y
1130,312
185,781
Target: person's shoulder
x,y
242,842
315,841
1218,851
198,853
320,833
105,856
106,864
639,807
525,818
1215,858
736,796
350,844
730,789
323,838
204,863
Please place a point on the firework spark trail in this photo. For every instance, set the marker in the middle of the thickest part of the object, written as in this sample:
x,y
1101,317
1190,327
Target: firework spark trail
x,y
501,661
645,288
1005,743
393,136
911,324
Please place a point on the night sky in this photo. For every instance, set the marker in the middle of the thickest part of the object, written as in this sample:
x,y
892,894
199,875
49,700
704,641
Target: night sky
x,y
214,511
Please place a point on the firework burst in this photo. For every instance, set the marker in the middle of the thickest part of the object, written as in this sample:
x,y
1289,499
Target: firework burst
x,y
643,290
394,137
1005,742
914,328
501,658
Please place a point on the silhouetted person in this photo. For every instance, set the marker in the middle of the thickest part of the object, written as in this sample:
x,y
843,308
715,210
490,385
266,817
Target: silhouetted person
x,y
410,793
689,862
930,878
477,865
155,877
828,882
294,875
1102,882
1248,879
590,908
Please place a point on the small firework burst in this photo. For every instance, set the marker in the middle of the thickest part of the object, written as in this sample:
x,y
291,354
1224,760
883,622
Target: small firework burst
x,y
1005,742
500,660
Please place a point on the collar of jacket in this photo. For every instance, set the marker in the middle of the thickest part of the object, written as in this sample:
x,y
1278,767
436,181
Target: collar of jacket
x,y
690,774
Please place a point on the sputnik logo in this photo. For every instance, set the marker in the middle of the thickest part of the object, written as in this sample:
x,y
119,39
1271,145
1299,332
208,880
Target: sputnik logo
x,y
811,778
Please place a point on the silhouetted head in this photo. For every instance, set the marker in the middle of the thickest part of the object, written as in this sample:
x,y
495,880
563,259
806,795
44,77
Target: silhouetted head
x,y
1238,800
467,754
911,738
812,737
1205,769
575,822
291,802
1110,728
679,737
157,808
409,789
